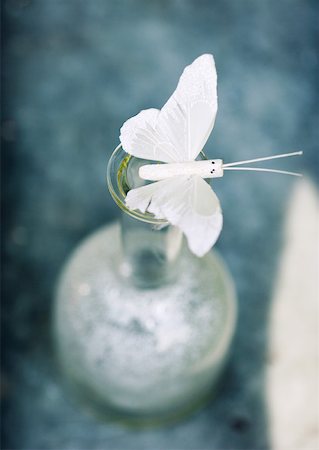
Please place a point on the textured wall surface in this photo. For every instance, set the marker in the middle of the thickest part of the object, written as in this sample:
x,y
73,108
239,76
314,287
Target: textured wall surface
x,y
74,71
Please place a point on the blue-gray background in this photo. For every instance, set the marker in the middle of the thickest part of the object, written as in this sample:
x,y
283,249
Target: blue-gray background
x,y
73,72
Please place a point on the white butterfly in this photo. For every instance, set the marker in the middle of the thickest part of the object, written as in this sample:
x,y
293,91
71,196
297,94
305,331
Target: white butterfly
x,y
175,135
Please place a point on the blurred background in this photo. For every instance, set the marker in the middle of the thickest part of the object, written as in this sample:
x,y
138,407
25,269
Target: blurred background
x,y
73,71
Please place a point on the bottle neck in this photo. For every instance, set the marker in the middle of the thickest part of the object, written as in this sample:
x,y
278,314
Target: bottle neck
x,y
151,253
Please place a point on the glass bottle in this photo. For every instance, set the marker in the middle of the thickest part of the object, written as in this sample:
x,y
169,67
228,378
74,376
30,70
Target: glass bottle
x,y
142,326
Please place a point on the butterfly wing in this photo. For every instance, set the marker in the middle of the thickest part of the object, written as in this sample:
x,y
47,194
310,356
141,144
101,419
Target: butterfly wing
x,y
178,131
188,203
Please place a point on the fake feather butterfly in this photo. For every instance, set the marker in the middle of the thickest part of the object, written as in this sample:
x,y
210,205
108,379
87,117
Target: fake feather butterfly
x,y
175,135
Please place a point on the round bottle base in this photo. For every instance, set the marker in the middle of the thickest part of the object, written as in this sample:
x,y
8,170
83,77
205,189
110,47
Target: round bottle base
x,y
142,356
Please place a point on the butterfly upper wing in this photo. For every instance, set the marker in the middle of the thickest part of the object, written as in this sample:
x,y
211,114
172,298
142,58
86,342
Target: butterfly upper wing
x,y
188,203
194,106
178,131
141,137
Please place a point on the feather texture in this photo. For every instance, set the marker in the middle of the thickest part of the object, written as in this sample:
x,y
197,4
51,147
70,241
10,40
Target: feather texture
x,y
178,131
188,203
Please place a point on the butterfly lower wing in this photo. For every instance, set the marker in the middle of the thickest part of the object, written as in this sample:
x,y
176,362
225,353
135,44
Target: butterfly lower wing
x,y
186,202
180,130
140,198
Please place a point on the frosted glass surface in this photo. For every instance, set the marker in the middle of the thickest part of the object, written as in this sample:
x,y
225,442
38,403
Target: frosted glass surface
x,y
142,350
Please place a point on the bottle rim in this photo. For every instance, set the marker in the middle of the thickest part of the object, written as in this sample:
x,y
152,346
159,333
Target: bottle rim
x,y
115,179
116,168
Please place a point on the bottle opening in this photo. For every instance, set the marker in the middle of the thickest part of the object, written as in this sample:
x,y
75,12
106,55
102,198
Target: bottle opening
x,y
122,176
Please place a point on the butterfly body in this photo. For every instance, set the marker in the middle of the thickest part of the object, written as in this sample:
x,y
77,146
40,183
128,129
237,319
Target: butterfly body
x,y
205,169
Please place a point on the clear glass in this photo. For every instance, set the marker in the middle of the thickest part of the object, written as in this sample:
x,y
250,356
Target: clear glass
x,y
151,256
142,326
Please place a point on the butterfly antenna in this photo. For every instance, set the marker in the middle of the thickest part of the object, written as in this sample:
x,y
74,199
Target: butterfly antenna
x,y
232,166
267,158
257,169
